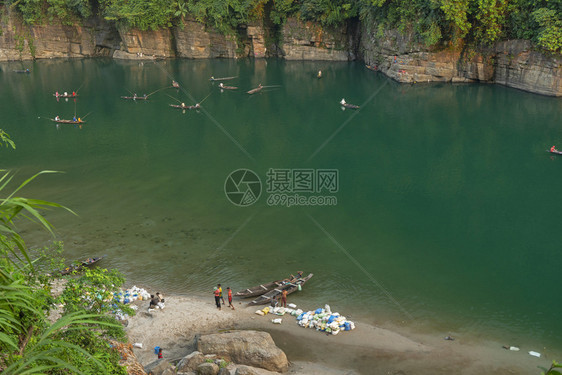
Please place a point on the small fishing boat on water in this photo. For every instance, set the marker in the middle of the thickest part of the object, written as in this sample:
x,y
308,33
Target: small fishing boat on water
x,y
348,105
65,95
183,106
77,267
213,79
256,90
290,287
223,87
60,121
22,71
175,85
554,151
134,97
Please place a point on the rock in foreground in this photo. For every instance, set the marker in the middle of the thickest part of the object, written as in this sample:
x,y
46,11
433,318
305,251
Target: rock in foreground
x,y
252,348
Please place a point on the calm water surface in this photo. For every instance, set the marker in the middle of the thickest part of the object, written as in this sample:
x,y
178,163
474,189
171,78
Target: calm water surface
x,y
447,198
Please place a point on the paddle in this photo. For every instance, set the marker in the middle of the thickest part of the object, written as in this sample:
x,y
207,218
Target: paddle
x,y
205,98
177,100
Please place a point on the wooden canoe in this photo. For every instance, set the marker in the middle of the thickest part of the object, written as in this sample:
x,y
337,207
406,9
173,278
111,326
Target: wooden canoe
x,y
184,107
65,96
228,87
68,121
23,71
290,287
258,290
350,106
257,89
213,79
555,152
135,97
77,267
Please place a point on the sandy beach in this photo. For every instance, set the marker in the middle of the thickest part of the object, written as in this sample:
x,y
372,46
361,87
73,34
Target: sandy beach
x,y
366,350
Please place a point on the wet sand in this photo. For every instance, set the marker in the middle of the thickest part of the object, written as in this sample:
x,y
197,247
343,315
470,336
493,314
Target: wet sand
x,y
366,350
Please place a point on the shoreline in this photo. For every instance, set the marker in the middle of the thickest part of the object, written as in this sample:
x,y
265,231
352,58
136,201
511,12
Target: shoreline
x,y
369,349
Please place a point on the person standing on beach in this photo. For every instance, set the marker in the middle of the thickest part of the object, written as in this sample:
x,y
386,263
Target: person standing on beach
x,y
217,297
229,297
160,354
284,298
220,291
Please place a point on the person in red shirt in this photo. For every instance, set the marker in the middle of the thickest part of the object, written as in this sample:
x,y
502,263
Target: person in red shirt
x,y
160,355
230,298
553,148
217,297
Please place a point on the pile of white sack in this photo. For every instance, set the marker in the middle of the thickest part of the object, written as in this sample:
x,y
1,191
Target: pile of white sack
x,y
131,294
321,319
325,320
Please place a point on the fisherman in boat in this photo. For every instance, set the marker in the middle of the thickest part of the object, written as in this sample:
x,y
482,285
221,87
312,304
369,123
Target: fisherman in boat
x,y
553,149
319,74
145,96
197,106
65,93
135,96
57,118
57,94
74,119
73,93
27,70
79,119
183,105
221,85
343,102
212,78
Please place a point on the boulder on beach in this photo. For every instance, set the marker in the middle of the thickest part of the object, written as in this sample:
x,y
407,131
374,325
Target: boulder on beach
x,y
249,370
252,348
160,367
190,362
207,369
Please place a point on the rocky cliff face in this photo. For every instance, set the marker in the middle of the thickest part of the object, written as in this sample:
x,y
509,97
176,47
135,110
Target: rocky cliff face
x,y
511,63
397,55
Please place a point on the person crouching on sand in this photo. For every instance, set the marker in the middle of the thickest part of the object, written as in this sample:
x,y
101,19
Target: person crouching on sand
x,y
217,297
229,297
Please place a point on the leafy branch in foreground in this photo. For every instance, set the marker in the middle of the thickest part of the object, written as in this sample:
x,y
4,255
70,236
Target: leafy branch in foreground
x,y
551,370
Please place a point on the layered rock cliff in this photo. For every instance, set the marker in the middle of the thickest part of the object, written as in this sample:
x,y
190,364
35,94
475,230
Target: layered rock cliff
x,y
400,56
512,63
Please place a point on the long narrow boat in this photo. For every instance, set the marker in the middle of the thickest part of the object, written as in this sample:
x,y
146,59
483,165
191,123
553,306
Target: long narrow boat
x,y
275,293
135,97
258,290
65,96
86,263
67,121
350,106
257,89
179,106
23,71
213,79
555,152
221,86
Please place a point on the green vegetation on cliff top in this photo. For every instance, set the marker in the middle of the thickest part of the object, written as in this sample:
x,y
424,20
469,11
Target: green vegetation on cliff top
x,y
478,22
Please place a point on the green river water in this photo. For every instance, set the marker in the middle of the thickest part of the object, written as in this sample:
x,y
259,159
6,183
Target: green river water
x,y
447,207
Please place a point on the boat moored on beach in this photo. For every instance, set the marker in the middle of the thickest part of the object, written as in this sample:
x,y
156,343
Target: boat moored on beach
x,y
290,287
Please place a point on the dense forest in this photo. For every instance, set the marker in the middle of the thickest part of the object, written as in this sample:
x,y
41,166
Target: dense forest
x,y
434,22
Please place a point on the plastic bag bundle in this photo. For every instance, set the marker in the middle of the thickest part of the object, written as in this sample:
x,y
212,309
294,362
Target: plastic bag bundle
x,y
276,321
260,313
323,320
292,305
